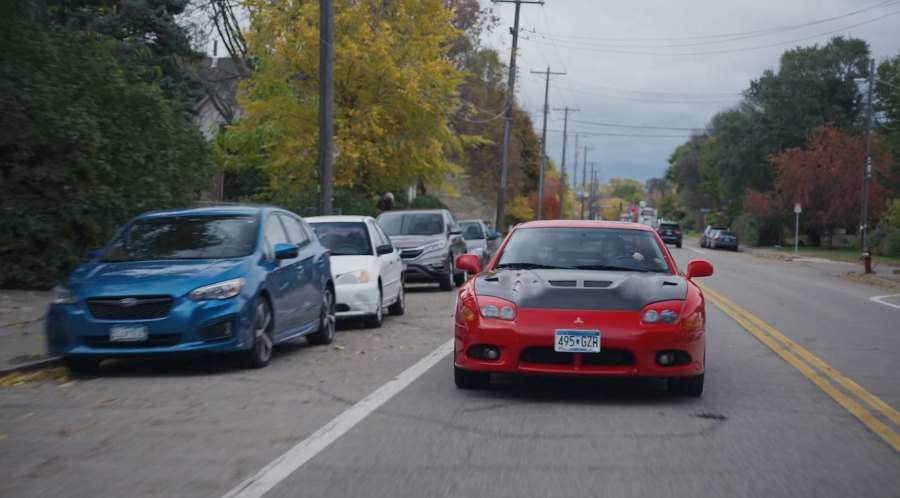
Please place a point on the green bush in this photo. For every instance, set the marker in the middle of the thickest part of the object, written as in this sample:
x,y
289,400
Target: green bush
x,y
746,226
427,202
892,243
351,202
84,146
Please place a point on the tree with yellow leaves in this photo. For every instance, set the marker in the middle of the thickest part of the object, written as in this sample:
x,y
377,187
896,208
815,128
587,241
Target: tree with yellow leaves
x,y
394,89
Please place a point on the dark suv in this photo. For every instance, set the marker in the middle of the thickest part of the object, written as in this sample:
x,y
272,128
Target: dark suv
x,y
429,241
670,233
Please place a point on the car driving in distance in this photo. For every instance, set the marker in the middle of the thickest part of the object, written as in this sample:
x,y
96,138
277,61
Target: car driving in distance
x,y
723,239
367,271
229,279
670,233
582,298
429,242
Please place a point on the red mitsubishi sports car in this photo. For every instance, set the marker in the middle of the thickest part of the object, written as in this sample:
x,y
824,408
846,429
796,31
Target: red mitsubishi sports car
x,y
581,298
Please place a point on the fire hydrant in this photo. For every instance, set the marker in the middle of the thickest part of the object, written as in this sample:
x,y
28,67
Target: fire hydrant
x,y
867,260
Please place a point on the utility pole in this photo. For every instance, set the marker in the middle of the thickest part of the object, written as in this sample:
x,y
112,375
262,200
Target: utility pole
x,y
326,104
583,179
591,195
562,174
540,206
507,125
867,171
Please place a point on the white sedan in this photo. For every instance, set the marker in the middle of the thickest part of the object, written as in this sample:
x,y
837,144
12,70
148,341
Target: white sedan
x,y
367,270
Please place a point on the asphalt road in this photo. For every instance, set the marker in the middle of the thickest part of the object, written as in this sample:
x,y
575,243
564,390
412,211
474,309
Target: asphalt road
x,y
762,427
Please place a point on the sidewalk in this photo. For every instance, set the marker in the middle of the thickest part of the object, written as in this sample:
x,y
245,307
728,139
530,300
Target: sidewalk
x,y
22,344
883,275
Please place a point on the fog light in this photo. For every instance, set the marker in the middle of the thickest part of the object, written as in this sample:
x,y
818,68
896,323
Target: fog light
x,y
665,359
482,352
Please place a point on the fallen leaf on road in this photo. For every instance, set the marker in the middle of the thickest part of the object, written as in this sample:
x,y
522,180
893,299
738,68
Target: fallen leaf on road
x,y
339,348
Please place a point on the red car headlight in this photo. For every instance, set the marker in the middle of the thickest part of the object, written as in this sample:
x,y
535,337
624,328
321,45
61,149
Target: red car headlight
x,y
664,312
494,307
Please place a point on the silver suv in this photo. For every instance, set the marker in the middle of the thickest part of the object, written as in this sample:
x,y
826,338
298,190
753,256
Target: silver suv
x,y
429,241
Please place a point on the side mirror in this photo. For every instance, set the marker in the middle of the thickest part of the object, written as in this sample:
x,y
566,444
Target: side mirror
x,y
455,231
384,249
699,268
494,235
468,262
95,253
286,251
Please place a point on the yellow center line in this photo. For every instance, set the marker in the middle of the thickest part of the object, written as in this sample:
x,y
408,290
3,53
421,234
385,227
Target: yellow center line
x,y
789,350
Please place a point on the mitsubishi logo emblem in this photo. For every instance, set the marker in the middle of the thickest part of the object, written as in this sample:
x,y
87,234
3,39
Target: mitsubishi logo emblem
x,y
578,321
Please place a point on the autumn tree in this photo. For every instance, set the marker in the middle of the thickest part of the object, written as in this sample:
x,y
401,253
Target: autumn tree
x,y
394,90
825,177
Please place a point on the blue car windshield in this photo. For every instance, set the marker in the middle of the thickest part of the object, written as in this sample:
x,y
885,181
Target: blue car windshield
x,y
185,237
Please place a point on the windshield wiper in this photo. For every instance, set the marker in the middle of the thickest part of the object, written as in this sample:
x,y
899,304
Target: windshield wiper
x,y
531,266
609,268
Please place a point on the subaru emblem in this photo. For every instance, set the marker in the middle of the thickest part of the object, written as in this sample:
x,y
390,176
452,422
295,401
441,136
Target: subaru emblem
x,y
578,321
128,302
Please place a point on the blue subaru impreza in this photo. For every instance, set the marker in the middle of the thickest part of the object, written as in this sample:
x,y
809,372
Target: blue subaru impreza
x,y
220,279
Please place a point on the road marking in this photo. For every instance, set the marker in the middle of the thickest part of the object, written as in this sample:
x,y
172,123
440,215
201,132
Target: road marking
x,y
791,352
880,300
699,251
283,466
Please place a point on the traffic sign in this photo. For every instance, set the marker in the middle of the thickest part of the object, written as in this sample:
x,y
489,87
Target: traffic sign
x,y
797,208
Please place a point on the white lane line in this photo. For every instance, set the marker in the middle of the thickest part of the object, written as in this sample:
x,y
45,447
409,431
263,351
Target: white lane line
x,y
280,468
880,300
700,251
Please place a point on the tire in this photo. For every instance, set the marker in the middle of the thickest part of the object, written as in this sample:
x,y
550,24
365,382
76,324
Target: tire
x,y
678,244
470,380
399,307
327,320
79,365
459,278
375,321
446,282
260,351
687,386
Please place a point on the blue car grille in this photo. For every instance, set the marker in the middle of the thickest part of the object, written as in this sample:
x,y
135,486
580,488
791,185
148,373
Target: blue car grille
x,y
130,308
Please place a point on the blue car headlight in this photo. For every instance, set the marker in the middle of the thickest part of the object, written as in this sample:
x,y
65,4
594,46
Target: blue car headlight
x,y
221,290
62,295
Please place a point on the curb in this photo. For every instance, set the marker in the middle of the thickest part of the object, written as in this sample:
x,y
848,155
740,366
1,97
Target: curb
x,y
30,366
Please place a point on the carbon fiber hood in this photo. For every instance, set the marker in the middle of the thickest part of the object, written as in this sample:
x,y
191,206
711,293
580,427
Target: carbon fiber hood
x,y
581,290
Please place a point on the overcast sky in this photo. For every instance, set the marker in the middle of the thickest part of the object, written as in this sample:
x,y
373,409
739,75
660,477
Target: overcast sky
x,y
663,63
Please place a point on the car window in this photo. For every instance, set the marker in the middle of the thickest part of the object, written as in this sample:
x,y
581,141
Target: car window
x,y
377,238
472,230
585,248
295,231
380,232
185,237
344,238
400,223
274,234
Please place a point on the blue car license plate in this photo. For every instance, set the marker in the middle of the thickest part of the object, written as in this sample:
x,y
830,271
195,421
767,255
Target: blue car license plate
x,y
577,341
128,333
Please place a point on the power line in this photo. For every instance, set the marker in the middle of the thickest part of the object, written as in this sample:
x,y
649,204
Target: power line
x,y
601,134
595,123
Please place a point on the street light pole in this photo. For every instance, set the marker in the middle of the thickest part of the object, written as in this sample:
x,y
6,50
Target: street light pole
x,y
507,124
867,172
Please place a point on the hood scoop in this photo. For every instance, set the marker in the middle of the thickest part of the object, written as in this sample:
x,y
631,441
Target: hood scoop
x,y
668,282
597,284
563,283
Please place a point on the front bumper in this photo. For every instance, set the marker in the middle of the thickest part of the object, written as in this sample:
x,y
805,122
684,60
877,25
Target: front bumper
x,y
214,326
671,239
628,349
355,300
426,272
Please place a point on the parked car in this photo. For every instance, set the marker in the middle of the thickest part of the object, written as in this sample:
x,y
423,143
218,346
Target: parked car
x,y
723,239
365,266
670,233
207,280
429,242
582,298
704,236
479,239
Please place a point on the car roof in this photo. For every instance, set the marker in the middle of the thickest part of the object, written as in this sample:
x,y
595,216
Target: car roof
x,y
472,220
236,209
346,218
627,225
414,211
